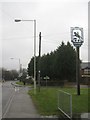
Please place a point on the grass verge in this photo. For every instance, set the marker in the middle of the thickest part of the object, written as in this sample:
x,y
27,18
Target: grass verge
x,y
21,83
46,100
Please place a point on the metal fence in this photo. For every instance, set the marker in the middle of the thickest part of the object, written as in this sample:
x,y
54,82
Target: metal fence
x,y
65,103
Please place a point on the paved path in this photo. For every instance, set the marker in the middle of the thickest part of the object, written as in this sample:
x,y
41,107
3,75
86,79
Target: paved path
x,y
0,100
85,115
21,105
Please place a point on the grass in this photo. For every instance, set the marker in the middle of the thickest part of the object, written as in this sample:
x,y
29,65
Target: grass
x,y
46,100
21,83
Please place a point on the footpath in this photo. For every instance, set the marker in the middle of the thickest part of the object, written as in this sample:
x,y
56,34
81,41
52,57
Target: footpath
x,y
21,105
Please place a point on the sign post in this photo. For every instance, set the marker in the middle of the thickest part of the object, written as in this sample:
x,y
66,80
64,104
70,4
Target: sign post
x,y
77,40
46,78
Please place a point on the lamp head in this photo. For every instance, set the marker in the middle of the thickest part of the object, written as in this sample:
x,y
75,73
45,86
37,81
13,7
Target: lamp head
x,y
17,20
11,58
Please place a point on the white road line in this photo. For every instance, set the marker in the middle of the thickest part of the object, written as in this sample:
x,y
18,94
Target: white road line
x,y
16,89
8,105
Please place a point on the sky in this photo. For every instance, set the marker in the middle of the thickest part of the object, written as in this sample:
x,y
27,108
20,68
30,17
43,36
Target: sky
x,y
54,18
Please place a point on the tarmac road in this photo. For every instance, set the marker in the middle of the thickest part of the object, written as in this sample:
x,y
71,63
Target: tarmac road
x,y
17,103
7,93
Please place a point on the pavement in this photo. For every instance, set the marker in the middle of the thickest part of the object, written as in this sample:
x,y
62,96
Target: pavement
x,y
85,115
0,101
21,105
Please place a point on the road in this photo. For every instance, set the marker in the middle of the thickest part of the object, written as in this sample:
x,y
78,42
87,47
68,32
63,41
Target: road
x,y
16,103
7,94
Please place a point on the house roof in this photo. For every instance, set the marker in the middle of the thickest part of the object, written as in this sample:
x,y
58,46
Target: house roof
x,y
85,65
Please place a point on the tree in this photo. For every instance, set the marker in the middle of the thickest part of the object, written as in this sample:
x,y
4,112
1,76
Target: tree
x,y
60,64
9,74
23,76
14,74
31,67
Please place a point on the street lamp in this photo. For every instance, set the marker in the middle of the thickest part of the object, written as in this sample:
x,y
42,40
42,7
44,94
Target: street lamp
x,y
19,63
18,20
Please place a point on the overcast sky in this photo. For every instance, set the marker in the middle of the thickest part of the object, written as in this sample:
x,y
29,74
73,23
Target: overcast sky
x,y
53,19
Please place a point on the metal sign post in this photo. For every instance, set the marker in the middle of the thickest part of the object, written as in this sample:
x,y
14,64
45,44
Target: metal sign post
x,y
46,78
77,40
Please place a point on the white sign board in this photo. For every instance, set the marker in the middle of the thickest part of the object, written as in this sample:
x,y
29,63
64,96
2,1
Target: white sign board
x,y
77,36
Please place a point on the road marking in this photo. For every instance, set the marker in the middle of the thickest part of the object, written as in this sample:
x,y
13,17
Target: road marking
x,y
8,105
16,89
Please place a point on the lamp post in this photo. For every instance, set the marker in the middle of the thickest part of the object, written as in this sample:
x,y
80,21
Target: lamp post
x,y
18,20
19,64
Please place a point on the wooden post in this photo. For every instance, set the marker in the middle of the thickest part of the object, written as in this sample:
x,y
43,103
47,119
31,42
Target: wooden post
x,y
77,70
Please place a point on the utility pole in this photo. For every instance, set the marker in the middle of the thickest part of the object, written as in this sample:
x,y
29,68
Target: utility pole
x,y
39,61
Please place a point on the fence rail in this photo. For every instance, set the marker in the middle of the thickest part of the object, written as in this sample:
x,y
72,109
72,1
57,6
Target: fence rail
x,y
65,103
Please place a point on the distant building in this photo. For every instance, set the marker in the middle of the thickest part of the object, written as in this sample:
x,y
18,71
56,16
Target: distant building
x,y
85,72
